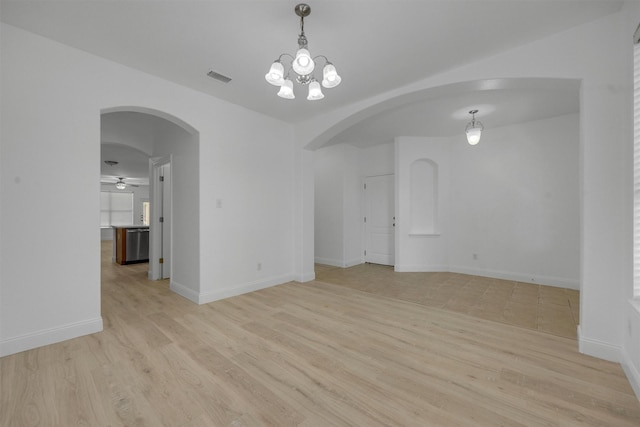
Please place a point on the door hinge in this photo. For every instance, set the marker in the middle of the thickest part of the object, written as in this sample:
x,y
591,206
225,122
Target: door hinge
x,y
161,261
161,219
161,178
365,186
365,219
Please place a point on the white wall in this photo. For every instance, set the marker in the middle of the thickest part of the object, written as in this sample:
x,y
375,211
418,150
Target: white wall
x,y
51,127
182,146
515,203
329,209
631,327
353,218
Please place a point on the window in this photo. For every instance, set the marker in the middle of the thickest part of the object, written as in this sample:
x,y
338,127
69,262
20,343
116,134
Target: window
x,y
116,208
146,213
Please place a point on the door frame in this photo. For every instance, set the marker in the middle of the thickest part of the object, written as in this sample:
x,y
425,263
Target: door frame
x,y
156,237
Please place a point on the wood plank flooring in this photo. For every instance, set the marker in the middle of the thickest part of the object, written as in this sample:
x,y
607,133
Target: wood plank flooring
x,y
313,354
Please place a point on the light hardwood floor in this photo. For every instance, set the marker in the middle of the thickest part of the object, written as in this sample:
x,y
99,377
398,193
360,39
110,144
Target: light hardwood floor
x,y
313,354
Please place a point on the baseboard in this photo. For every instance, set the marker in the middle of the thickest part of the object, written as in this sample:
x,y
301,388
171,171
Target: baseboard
x,y
352,262
631,372
558,282
339,263
308,277
50,336
599,349
328,261
218,294
417,268
185,292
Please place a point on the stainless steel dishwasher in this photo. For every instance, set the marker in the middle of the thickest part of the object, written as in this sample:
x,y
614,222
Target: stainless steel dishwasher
x,y
137,245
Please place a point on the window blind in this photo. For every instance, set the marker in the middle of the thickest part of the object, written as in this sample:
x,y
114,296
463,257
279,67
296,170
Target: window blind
x,y
116,208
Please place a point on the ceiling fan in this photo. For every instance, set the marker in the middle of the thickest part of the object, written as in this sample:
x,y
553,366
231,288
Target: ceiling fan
x,y
120,184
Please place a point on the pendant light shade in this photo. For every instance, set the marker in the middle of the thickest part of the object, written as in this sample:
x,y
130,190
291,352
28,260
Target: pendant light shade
x,y
473,135
303,64
330,77
286,90
474,129
314,91
275,76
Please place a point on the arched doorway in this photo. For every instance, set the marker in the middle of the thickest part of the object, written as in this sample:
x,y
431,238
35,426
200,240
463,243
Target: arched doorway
x,y
174,224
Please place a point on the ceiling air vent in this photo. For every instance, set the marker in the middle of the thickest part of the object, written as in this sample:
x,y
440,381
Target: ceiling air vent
x,y
218,76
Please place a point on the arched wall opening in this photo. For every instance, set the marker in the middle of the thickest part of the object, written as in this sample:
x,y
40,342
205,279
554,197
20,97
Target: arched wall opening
x,y
168,142
319,134
430,221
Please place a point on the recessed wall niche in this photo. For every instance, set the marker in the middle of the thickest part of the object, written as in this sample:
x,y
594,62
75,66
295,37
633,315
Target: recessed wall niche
x,y
424,197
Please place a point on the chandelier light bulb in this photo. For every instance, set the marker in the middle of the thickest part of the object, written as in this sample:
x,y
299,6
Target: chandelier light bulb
x,y
120,185
303,64
330,76
275,76
286,90
315,92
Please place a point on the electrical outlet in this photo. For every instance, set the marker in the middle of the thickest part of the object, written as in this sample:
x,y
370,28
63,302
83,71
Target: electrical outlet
x,y
475,256
259,266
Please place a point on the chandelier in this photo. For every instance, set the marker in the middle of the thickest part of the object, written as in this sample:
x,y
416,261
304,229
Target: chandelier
x,y
302,66
474,129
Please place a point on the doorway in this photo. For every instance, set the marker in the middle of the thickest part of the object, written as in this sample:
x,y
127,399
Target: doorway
x,y
172,148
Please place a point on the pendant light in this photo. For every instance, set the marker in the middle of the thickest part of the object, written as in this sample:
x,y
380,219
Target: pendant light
x,y
474,129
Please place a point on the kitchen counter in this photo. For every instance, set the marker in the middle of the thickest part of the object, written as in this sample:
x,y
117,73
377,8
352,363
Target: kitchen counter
x,y
131,243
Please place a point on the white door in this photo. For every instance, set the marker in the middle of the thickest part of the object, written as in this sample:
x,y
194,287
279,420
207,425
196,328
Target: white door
x,y
160,223
379,220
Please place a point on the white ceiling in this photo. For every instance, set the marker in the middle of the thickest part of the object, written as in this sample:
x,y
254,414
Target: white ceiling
x,y
133,165
376,45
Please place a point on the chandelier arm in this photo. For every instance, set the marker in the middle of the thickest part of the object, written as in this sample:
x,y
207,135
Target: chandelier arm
x,y
282,55
326,60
